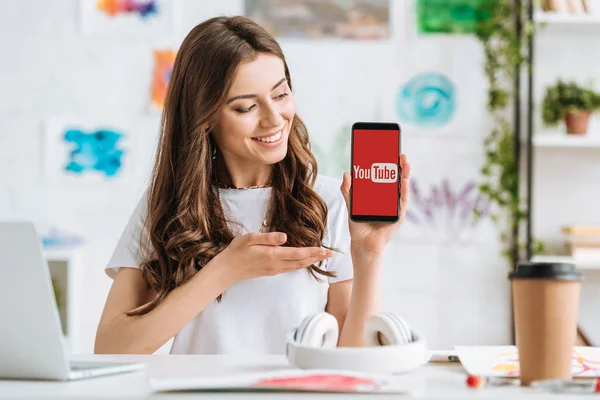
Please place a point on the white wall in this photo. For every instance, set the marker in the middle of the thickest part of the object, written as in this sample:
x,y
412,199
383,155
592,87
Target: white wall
x,y
451,286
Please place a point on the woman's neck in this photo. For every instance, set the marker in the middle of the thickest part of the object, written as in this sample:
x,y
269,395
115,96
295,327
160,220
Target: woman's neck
x,y
243,176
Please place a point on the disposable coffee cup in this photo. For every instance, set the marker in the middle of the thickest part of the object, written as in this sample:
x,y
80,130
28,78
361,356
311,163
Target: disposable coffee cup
x,y
545,309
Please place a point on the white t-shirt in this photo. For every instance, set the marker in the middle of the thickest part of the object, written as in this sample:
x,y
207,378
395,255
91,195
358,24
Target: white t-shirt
x,y
254,315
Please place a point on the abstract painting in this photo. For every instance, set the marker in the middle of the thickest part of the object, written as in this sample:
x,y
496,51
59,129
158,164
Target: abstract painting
x,y
146,18
95,151
445,212
113,8
453,17
77,152
427,100
163,67
318,19
445,208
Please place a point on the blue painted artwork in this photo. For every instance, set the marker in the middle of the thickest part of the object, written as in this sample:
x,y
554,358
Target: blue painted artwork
x,y
97,151
427,99
58,238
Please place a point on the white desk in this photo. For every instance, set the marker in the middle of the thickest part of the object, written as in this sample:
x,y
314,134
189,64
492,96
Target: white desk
x,y
435,380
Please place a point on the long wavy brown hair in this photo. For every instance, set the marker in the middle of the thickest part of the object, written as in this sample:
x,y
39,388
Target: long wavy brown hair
x,y
184,223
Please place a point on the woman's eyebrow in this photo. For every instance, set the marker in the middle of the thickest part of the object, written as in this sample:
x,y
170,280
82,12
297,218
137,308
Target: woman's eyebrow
x,y
250,96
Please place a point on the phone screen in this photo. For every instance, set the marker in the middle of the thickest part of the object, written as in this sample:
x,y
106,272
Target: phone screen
x,y
375,190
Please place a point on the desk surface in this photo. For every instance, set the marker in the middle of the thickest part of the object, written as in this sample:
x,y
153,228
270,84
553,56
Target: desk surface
x,y
434,380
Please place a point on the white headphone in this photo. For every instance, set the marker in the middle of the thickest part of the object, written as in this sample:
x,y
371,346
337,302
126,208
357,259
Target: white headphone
x,y
390,345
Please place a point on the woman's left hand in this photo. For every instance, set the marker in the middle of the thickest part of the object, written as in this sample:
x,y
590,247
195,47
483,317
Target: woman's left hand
x,y
372,237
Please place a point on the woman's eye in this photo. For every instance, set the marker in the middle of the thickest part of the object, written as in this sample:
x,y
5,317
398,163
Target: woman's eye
x,y
245,110
281,96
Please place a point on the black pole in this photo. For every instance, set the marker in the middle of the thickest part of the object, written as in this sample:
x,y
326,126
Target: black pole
x,y
517,136
529,130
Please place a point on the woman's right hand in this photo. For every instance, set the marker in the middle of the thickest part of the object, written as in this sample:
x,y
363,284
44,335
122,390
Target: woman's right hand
x,y
260,254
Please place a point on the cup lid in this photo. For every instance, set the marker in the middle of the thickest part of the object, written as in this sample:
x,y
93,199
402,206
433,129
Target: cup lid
x,y
551,270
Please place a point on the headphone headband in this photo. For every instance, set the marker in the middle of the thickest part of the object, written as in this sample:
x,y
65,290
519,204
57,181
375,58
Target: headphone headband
x,y
407,350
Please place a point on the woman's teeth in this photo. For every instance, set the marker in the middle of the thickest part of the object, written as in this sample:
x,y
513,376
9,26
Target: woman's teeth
x,y
270,139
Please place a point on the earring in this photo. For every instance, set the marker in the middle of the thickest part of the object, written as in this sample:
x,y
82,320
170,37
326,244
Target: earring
x,y
214,153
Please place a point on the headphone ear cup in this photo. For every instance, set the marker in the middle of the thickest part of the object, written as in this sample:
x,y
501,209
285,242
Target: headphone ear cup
x,y
387,329
319,330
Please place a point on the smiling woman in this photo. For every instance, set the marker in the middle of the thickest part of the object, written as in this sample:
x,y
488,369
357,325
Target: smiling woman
x,y
257,119
238,238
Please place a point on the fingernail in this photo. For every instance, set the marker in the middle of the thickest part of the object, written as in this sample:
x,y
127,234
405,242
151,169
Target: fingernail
x,y
282,237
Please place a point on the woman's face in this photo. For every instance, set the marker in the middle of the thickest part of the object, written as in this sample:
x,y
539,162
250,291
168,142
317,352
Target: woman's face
x,y
254,123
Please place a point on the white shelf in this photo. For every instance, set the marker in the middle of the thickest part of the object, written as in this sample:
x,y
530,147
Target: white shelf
x,y
65,264
590,140
582,265
555,18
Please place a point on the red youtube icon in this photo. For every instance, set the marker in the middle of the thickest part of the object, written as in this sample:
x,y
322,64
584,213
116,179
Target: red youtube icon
x,y
375,173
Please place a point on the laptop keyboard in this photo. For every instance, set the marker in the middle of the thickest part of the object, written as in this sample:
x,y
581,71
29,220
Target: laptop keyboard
x,y
82,365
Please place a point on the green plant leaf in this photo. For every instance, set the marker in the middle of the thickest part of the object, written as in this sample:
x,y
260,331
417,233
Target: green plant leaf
x,y
505,53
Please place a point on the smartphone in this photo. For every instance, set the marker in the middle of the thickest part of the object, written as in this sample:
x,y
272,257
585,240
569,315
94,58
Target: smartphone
x,y
375,171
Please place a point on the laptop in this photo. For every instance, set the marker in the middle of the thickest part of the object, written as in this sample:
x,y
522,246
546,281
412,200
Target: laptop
x,y
31,336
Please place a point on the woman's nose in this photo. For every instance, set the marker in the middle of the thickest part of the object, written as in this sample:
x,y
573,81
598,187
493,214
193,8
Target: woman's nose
x,y
271,118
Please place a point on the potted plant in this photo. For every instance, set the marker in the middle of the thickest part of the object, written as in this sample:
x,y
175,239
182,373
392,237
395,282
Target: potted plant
x,y
572,103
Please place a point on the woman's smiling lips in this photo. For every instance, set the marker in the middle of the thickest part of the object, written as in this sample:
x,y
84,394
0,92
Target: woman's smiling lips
x,y
271,140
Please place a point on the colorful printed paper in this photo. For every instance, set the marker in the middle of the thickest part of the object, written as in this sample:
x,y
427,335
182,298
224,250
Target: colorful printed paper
x,y
304,380
161,75
504,361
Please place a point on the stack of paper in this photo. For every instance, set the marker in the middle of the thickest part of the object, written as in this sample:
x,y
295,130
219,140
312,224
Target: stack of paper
x,y
287,380
504,361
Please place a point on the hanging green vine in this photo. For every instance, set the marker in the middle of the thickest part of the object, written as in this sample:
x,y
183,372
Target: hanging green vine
x,y
505,53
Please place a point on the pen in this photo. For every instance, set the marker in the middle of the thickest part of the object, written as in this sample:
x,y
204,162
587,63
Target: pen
x,y
549,385
477,382
564,386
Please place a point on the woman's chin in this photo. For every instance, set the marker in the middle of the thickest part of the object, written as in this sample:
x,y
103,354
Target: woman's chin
x,y
275,156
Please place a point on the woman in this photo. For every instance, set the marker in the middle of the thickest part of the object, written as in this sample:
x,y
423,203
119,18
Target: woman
x,y
238,238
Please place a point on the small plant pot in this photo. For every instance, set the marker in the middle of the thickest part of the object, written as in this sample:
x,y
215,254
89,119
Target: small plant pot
x,y
577,121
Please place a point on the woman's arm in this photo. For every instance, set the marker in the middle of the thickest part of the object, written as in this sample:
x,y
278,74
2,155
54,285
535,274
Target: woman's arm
x,y
248,256
353,301
367,244
120,333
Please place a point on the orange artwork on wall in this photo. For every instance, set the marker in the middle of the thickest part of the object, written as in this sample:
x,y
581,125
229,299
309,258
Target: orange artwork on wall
x,y
163,66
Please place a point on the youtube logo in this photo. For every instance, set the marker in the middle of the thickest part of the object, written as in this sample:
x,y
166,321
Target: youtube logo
x,y
378,173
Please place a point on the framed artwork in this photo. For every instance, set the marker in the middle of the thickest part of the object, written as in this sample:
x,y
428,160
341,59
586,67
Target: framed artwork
x,y
452,17
144,18
161,74
319,19
427,100
86,152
